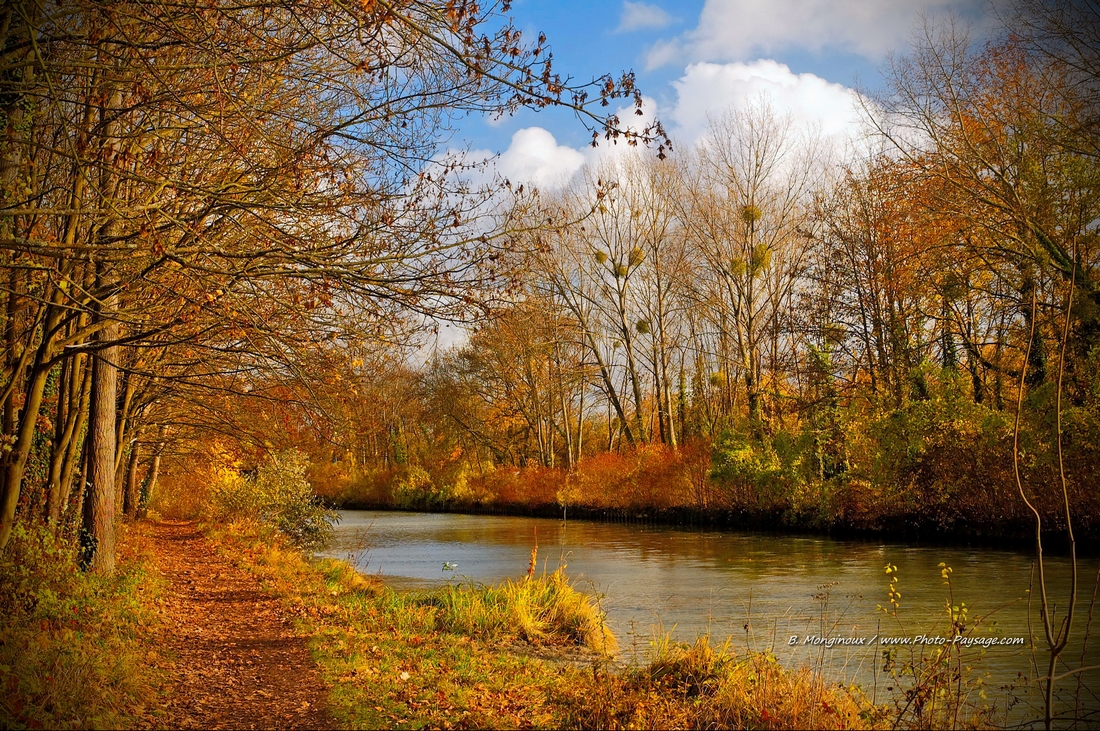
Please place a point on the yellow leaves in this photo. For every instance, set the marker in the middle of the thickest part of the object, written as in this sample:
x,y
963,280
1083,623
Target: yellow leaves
x,y
893,594
761,258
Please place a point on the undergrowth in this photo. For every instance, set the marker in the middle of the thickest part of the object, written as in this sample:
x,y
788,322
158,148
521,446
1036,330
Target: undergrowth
x,y
699,685
74,648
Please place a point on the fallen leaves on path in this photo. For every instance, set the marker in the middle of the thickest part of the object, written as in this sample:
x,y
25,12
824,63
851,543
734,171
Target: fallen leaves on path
x,y
239,664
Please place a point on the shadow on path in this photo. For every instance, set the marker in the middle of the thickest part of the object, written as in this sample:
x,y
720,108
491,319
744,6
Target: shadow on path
x,y
239,662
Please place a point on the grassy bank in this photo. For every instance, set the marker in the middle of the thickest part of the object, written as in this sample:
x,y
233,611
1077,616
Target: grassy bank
x,y
77,650
532,653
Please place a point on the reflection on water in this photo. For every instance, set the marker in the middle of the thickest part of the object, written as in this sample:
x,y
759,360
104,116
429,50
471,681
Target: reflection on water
x,y
761,590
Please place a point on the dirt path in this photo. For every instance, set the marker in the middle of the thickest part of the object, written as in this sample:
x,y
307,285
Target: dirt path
x,y
239,662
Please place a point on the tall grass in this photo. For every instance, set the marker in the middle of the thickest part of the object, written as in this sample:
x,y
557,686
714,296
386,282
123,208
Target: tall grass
x,y
699,685
541,610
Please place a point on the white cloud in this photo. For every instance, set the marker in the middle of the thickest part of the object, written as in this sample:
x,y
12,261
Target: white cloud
x,y
709,88
738,30
535,157
639,16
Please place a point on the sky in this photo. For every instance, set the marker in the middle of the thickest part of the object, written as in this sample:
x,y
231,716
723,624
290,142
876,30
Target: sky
x,y
696,58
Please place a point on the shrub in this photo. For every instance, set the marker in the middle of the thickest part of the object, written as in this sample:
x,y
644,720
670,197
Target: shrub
x,y
367,488
412,487
751,472
279,495
329,479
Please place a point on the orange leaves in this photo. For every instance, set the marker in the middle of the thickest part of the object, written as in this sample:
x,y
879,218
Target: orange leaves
x,y
652,478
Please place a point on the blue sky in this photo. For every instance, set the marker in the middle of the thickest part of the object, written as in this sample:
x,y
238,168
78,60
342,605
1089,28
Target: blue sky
x,y
698,57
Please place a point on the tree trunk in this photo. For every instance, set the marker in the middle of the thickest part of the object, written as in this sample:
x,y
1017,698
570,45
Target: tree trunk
x,y
122,435
605,372
98,529
631,366
11,160
68,420
13,476
154,472
130,496
74,450
28,418
98,534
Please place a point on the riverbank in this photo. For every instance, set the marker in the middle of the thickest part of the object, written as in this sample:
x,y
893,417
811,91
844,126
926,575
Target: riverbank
x,y
457,658
231,626
761,590
951,498
937,470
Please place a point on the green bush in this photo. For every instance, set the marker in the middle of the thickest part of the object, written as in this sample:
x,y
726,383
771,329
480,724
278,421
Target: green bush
x,y
279,495
750,471
412,487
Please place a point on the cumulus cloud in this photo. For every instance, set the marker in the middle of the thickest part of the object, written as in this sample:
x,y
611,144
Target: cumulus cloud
x,y
641,16
737,30
533,158
630,121
709,88
704,90
536,158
